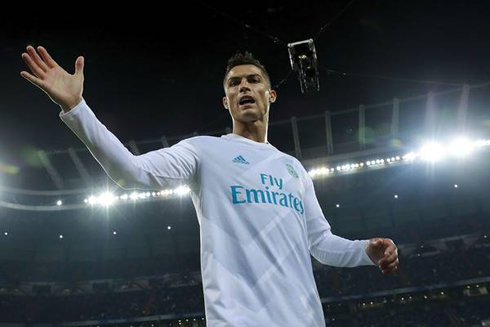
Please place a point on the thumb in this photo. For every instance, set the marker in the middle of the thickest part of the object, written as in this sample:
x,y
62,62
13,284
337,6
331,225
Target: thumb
x,y
79,66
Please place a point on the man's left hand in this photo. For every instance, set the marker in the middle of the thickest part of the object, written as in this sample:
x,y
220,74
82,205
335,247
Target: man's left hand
x,y
384,253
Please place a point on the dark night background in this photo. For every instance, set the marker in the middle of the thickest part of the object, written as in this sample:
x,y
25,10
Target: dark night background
x,y
153,71
156,69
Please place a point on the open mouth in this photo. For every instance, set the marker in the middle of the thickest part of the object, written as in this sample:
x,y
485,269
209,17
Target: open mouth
x,y
245,100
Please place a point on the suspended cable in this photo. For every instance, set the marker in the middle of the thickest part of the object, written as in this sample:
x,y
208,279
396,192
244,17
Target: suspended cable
x,y
331,71
324,27
273,38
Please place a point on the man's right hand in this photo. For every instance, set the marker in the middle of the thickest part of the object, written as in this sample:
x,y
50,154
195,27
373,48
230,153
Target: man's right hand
x,y
63,88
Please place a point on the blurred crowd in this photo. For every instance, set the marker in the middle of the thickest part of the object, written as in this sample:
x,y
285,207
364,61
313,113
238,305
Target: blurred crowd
x,y
181,296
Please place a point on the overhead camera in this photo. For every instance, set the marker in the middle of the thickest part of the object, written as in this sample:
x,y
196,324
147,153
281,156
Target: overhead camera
x,y
304,62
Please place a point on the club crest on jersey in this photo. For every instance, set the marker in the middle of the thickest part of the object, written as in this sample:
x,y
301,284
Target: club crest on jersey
x,y
292,171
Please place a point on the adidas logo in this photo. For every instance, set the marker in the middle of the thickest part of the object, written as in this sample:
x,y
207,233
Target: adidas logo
x,y
241,160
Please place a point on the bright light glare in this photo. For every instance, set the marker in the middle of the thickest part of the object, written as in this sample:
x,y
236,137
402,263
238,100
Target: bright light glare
x,y
106,199
461,147
432,152
182,190
410,156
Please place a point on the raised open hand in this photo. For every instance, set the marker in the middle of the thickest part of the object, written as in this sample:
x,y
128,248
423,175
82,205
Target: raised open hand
x,y
63,88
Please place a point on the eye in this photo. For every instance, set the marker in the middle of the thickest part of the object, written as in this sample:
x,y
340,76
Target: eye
x,y
233,82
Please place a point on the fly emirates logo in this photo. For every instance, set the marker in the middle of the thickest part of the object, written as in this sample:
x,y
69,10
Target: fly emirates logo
x,y
270,194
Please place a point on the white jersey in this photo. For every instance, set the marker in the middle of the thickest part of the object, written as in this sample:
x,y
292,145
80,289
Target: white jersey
x,y
259,221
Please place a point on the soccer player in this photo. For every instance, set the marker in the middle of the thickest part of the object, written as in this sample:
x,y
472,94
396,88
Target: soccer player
x,y
258,213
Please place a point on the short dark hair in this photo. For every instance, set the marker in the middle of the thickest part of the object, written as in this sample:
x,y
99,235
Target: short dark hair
x,y
245,58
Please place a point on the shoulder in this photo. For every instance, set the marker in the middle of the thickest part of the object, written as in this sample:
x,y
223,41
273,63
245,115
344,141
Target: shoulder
x,y
300,168
199,141
294,161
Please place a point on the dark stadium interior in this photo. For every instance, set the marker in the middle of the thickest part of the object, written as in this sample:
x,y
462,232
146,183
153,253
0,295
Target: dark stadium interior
x,y
137,263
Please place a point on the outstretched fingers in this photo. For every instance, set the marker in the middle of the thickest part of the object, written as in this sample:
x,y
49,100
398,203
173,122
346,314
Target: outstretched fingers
x,y
34,80
35,57
47,58
33,66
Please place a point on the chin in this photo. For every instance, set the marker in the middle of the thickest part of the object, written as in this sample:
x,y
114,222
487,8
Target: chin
x,y
248,117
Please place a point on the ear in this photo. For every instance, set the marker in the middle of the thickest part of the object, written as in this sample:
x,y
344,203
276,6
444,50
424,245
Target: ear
x,y
225,103
272,96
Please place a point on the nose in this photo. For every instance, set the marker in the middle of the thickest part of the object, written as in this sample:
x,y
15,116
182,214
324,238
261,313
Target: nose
x,y
244,88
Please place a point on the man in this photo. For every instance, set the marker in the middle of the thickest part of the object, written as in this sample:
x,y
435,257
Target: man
x,y
258,213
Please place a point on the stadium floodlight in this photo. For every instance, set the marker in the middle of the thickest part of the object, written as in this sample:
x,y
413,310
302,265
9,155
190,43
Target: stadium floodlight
x,y
182,190
432,152
461,147
481,143
169,227
410,156
106,199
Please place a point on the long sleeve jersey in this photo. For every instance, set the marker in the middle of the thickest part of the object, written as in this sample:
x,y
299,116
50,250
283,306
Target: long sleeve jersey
x,y
259,221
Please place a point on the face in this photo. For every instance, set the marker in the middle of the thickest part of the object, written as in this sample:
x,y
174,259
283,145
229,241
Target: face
x,y
247,93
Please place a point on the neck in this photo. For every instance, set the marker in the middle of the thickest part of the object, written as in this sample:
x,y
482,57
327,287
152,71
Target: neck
x,y
255,131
